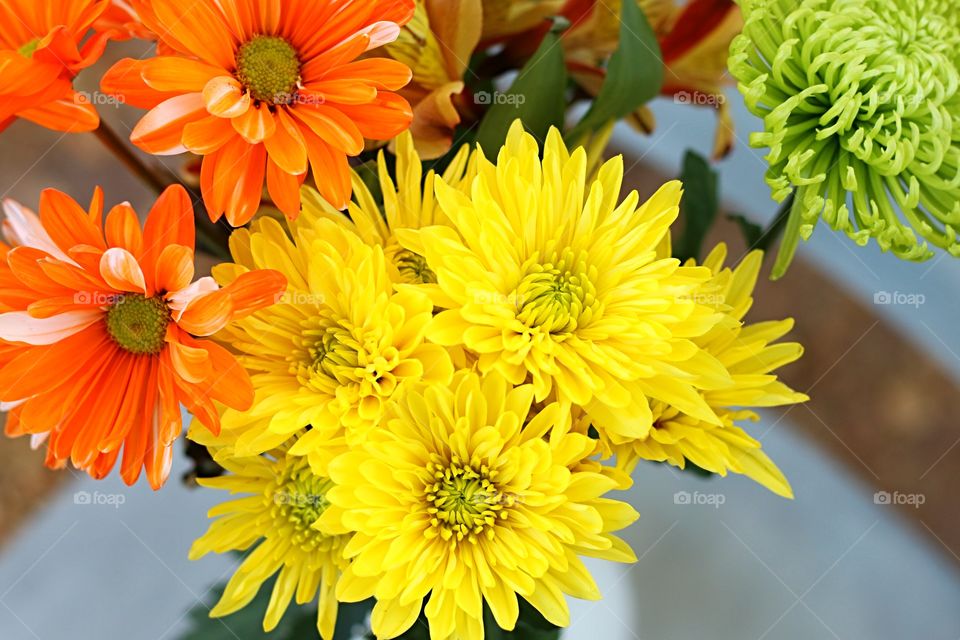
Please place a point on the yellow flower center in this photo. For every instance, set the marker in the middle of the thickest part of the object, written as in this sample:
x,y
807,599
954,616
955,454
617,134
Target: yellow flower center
x,y
413,268
269,68
464,500
557,296
138,323
332,353
296,502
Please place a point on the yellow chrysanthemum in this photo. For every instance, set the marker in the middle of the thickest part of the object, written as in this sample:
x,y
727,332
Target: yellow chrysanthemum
x,y
751,355
408,203
282,500
548,280
333,351
469,495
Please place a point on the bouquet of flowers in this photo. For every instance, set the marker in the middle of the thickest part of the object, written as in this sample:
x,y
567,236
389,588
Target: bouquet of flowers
x,y
439,337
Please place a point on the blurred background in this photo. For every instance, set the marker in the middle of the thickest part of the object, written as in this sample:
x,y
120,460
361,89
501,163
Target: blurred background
x,y
870,548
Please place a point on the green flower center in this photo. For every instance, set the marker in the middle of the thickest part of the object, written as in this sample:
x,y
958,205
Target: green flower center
x,y
557,296
28,49
269,68
464,500
296,502
331,351
413,268
138,323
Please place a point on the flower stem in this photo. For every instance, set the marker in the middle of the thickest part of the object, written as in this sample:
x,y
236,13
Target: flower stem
x,y
209,236
109,138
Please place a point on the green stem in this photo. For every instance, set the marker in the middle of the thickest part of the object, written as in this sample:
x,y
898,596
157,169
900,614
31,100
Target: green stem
x,y
788,221
210,236
109,138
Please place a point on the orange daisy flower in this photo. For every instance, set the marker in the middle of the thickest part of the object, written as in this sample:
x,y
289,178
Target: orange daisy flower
x,y
43,45
264,88
100,326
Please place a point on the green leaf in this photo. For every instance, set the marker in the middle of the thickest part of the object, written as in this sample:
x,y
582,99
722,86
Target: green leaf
x,y
699,205
752,232
537,97
634,75
299,623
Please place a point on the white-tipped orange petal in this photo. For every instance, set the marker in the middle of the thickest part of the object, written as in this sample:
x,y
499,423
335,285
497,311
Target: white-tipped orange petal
x,y
22,228
179,300
190,363
174,268
207,314
224,97
382,33
20,326
122,272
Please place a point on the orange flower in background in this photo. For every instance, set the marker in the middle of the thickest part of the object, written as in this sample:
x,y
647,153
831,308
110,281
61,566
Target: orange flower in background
x,y
43,45
264,88
100,330
694,39
437,45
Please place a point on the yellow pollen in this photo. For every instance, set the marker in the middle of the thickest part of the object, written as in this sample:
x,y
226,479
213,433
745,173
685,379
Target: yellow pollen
x,y
464,500
138,323
296,502
269,68
557,296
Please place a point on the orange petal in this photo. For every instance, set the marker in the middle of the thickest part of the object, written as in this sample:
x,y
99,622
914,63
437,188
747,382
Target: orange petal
x,y
72,114
122,229
122,272
284,189
331,171
170,221
335,128
160,131
67,222
191,364
174,268
381,73
206,314
385,118
256,124
124,81
255,290
286,146
181,75
225,97
338,92
205,136
200,28
20,326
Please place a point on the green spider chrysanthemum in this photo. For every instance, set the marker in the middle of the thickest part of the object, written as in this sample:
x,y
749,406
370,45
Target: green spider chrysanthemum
x,y
861,107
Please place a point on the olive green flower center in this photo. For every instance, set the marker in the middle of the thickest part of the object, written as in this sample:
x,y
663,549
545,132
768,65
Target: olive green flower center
x,y
269,68
557,296
138,323
296,502
28,49
464,500
413,268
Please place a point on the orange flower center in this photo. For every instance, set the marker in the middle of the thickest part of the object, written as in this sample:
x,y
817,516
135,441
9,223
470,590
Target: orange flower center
x,y
138,323
269,68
